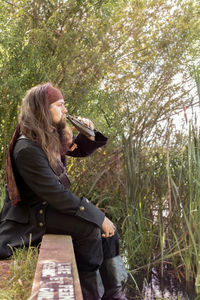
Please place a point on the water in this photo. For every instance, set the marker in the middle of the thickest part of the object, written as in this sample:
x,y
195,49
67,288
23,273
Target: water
x,y
168,288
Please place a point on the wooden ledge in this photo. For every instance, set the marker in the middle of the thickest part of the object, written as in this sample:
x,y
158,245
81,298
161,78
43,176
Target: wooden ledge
x,y
56,275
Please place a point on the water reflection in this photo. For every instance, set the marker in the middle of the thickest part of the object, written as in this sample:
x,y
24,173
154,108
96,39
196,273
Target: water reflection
x,y
156,288
167,288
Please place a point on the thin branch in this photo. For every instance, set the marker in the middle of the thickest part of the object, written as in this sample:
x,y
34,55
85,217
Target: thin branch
x,y
26,12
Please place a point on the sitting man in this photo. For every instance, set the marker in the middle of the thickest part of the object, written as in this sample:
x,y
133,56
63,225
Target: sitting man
x,y
38,197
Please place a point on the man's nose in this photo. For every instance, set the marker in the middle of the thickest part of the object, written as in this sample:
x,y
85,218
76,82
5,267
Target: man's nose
x,y
64,110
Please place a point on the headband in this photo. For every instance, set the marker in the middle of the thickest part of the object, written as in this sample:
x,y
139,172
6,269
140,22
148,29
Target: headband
x,y
53,94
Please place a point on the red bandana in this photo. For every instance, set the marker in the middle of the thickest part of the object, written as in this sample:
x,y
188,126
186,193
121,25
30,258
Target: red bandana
x,y
53,94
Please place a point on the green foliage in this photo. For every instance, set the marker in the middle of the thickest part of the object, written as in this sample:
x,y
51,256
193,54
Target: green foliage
x,y
114,60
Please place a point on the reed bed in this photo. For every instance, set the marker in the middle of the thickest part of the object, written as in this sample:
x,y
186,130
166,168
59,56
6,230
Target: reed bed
x,y
162,216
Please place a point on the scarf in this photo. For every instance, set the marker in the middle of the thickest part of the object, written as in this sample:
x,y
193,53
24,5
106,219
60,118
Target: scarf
x,y
10,178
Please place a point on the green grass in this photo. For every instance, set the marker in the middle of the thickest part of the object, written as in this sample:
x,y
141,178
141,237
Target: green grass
x,y
19,280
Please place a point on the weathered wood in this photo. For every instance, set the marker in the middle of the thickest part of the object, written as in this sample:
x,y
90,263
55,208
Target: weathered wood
x,y
56,252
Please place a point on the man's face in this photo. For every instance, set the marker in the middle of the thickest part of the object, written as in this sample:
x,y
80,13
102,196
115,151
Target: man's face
x,y
58,111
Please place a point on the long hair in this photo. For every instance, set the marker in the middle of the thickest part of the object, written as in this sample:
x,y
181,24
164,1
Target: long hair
x,y
36,122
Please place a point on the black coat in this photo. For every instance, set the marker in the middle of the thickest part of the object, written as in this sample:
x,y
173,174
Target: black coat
x,y
39,187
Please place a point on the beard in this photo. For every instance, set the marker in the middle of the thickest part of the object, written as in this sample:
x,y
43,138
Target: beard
x,y
61,124
64,133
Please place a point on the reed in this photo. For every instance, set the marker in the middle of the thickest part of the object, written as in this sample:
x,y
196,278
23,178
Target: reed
x,y
186,208
139,231
162,220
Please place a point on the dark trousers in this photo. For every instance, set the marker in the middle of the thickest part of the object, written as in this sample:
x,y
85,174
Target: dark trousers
x,y
89,246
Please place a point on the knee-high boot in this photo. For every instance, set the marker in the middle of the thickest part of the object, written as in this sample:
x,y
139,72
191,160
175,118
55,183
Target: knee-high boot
x,y
91,285
113,273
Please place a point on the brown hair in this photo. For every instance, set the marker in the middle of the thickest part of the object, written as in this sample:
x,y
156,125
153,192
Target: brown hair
x,y
36,122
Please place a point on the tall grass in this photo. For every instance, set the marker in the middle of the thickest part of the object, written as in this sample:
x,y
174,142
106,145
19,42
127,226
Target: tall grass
x,y
189,198
162,218
139,231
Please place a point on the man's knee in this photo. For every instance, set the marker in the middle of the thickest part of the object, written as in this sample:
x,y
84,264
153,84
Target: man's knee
x,y
88,250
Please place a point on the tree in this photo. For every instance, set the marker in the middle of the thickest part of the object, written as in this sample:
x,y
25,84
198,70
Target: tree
x,y
115,61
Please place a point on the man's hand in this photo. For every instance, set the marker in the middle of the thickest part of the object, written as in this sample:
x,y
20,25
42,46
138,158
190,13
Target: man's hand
x,y
108,228
89,124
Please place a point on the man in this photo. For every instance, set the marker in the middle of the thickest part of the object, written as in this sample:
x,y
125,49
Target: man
x,y
38,197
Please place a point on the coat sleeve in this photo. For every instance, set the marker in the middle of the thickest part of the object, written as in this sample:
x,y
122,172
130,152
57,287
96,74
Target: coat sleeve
x,y
86,146
33,167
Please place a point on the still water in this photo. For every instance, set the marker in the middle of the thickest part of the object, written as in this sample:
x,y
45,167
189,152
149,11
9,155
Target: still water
x,y
156,288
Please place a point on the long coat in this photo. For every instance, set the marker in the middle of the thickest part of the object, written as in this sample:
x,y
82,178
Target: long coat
x,y
39,187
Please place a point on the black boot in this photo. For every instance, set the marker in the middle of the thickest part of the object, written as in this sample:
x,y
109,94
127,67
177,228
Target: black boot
x,y
91,285
113,273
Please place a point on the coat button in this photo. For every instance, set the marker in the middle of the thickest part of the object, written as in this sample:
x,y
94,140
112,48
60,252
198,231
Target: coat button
x,y
82,208
87,200
41,224
41,211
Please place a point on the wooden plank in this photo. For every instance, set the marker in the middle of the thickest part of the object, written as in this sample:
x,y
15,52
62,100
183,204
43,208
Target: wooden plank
x,y
56,259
